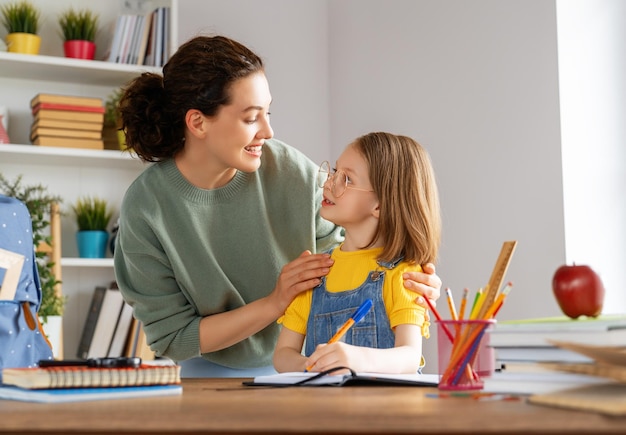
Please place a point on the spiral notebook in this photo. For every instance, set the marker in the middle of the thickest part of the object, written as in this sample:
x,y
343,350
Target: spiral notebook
x,y
84,377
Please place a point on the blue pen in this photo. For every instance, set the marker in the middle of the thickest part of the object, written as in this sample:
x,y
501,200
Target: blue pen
x,y
355,318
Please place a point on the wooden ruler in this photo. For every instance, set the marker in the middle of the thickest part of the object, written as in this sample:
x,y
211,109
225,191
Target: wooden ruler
x,y
497,276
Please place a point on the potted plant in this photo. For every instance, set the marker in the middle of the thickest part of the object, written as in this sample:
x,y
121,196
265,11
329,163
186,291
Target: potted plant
x,y
21,20
93,215
38,202
112,132
78,29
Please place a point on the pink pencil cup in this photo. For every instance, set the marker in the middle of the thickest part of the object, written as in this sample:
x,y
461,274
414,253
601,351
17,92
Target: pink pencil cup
x,y
474,358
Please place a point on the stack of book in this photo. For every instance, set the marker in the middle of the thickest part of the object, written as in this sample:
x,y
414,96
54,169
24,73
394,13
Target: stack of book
x,y
528,340
607,396
71,381
526,350
142,39
67,121
110,329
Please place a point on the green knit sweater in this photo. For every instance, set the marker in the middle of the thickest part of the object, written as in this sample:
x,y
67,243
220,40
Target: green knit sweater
x,y
183,252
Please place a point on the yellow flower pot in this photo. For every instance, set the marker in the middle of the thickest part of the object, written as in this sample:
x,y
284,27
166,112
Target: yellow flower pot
x,y
26,43
121,138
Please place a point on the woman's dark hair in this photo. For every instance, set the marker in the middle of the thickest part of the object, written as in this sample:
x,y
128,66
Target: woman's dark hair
x,y
198,76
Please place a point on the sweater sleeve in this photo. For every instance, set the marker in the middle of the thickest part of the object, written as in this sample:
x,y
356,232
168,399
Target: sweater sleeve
x,y
147,281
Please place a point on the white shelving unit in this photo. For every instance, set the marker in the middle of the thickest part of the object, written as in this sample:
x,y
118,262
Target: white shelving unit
x,y
86,262
61,69
67,172
28,155
71,173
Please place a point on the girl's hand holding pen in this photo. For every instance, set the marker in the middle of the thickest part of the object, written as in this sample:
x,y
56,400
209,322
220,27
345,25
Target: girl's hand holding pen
x,y
330,355
339,355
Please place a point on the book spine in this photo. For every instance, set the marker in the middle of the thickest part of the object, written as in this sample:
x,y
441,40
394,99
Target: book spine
x,y
158,59
68,115
90,322
66,125
68,107
66,99
64,133
143,43
120,336
109,315
68,142
117,35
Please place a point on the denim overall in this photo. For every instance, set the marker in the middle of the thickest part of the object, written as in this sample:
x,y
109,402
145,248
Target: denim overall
x,y
329,311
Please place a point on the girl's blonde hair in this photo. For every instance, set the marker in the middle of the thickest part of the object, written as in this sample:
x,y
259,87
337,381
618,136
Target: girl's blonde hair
x,y
403,178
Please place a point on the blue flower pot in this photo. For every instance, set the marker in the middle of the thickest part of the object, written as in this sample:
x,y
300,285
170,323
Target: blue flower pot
x,y
92,244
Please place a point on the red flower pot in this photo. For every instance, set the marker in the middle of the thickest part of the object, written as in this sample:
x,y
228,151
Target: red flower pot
x,y
79,49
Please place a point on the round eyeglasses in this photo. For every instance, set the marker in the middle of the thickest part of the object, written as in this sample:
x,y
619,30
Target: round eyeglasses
x,y
338,180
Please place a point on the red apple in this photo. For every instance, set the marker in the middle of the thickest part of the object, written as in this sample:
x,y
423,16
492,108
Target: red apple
x,y
578,290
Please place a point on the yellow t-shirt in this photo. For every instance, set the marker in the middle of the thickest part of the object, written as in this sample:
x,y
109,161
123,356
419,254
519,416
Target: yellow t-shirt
x,y
350,271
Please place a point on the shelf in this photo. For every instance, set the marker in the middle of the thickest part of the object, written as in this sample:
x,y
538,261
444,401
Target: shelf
x,y
87,262
66,70
33,154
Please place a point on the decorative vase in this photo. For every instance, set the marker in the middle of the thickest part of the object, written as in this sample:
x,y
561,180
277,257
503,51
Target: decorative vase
x,y
121,135
121,139
53,328
26,43
92,244
114,232
79,49
4,136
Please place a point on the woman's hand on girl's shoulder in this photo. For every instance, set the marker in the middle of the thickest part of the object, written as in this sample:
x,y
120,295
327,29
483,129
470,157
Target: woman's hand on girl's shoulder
x,y
426,284
303,273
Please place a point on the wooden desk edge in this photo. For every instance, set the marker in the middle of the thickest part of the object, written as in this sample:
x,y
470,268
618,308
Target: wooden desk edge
x,y
227,406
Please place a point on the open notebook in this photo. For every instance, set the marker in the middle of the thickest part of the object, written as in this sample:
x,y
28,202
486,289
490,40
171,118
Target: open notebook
x,y
327,378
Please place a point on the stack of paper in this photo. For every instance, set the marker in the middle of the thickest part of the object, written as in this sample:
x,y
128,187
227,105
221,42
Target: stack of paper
x,y
607,396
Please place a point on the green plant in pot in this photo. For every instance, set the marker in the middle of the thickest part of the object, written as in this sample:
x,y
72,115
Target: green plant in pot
x,y
78,30
39,202
112,133
21,20
93,215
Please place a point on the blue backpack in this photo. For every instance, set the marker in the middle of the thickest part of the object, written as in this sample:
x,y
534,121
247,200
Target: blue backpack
x,y
22,340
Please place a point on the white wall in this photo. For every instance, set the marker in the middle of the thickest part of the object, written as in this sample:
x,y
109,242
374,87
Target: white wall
x,y
292,39
476,82
592,60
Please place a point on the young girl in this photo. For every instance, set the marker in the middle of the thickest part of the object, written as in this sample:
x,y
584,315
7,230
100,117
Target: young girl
x,y
383,193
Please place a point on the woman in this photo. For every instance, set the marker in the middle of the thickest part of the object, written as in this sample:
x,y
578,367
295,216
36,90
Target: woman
x,y
218,236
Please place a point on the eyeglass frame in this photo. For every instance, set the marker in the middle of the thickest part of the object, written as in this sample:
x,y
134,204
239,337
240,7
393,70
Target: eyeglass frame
x,y
331,176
